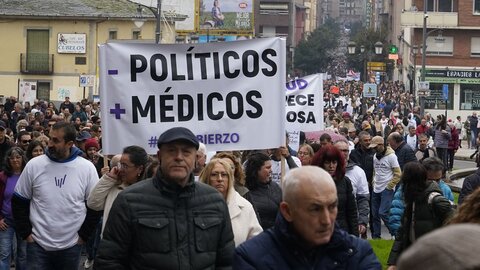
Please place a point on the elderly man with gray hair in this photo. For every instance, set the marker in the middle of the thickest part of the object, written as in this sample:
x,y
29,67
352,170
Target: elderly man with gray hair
x,y
305,235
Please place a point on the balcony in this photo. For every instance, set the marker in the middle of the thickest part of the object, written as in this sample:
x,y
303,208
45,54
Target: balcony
x,y
36,63
435,19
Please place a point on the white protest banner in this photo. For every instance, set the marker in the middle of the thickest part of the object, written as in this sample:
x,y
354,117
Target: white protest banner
x,y
230,94
304,104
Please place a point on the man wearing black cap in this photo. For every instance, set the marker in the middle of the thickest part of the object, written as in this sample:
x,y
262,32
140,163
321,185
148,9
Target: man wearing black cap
x,y
169,221
5,143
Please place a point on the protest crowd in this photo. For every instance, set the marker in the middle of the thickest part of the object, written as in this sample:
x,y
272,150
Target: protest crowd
x,y
378,161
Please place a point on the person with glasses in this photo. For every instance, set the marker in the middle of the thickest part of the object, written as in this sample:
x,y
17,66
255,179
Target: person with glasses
x,y
15,161
49,203
305,154
125,170
219,174
238,173
332,160
23,140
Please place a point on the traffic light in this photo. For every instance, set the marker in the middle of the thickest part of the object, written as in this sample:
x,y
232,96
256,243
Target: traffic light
x,y
393,49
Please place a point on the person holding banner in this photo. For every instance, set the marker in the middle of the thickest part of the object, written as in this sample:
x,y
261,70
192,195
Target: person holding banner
x,y
169,221
265,195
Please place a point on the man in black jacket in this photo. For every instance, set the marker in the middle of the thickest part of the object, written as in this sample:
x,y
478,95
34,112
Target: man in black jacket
x,y
169,221
470,183
403,152
363,156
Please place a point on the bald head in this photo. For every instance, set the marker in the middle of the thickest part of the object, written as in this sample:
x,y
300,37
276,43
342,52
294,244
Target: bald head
x,y
306,177
115,160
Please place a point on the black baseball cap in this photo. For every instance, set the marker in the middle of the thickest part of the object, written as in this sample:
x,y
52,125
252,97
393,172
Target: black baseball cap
x,y
178,134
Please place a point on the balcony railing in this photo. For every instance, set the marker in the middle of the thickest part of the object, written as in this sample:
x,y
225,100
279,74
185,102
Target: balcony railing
x,y
36,63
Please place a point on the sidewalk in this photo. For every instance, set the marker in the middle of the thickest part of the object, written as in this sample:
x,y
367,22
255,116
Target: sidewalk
x,y
464,153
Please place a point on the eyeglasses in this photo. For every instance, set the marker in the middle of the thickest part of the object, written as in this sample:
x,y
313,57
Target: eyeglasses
x,y
217,175
124,166
26,141
14,157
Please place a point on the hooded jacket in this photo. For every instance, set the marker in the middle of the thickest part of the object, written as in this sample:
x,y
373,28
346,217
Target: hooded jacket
x,y
280,248
430,212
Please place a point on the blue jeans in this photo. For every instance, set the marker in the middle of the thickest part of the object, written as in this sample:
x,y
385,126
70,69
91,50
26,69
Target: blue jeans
x,y
381,203
93,242
40,259
6,247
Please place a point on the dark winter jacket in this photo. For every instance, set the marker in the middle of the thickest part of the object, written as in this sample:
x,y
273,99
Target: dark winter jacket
x,y
279,248
364,159
427,217
404,154
347,216
157,224
470,183
266,199
398,206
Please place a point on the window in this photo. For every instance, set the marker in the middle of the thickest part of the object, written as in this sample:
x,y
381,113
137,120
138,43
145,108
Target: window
x,y
43,90
440,45
37,50
112,34
440,5
136,34
469,97
476,6
475,46
435,101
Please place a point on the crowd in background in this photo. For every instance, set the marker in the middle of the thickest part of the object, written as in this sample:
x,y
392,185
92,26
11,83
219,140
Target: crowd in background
x,y
388,129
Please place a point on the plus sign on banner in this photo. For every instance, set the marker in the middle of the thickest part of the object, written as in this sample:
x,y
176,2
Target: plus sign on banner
x,y
221,91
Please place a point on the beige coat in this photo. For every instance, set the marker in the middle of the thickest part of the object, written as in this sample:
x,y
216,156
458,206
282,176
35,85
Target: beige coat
x,y
245,224
103,195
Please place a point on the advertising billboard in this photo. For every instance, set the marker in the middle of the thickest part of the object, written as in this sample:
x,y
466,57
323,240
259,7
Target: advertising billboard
x,y
226,15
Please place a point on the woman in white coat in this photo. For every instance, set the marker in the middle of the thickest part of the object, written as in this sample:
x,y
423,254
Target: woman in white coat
x,y
218,174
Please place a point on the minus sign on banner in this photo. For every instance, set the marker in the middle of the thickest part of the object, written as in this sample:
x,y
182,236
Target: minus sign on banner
x,y
113,72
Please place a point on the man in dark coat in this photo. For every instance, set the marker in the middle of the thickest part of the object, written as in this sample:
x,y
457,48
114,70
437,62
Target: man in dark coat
x,y
305,235
470,183
169,221
403,152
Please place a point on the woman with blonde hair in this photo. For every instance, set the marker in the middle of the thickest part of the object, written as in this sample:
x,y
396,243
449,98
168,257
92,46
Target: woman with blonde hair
x,y
219,174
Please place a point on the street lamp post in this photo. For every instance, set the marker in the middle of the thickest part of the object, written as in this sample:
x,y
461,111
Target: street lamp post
x,y
352,46
157,12
415,52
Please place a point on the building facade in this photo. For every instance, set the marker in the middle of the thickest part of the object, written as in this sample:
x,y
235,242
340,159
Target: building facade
x,y
452,55
49,46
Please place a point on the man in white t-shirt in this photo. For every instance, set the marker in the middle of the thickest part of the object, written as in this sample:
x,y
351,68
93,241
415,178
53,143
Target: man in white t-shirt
x,y
386,175
290,163
49,203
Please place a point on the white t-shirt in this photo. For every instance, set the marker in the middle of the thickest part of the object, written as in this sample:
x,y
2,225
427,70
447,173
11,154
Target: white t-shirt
x,y
359,180
57,194
383,171
277,169
412,141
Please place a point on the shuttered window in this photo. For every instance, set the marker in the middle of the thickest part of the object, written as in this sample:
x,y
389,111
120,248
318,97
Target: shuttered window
x,y
37,50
